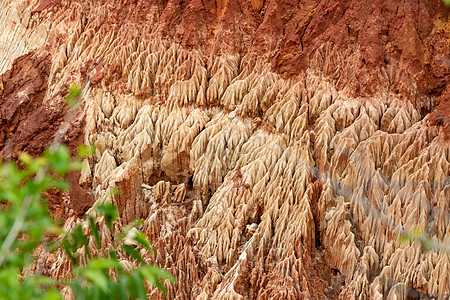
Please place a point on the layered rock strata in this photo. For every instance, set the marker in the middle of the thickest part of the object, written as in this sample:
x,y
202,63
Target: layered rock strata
x,y
274,149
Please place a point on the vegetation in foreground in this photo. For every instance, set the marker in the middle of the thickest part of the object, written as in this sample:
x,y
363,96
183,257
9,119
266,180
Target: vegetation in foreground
x,y
26,224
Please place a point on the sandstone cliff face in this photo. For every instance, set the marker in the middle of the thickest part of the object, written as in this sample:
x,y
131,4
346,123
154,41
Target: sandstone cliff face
x,y
275,149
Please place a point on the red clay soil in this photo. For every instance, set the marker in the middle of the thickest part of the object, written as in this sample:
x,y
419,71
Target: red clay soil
x,y
22,115
441,115
413,36
370,46
28,123
400,32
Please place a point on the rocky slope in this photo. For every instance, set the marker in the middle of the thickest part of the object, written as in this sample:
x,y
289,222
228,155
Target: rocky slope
x,y
275,149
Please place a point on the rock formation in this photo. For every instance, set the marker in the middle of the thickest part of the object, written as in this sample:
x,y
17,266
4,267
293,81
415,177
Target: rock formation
x,y
275,149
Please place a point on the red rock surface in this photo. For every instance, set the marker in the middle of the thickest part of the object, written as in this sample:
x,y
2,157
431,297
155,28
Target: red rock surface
x,y
22,92
412,36
400,47
29,123
441,115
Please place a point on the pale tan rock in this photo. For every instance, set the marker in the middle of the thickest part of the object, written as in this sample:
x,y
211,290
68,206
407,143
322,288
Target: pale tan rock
x,y
245,179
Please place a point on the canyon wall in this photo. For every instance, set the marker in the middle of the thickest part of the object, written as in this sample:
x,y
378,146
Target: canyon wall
x,y
274,149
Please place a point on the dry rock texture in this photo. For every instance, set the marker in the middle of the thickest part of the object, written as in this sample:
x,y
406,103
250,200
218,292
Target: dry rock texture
x,y
275,149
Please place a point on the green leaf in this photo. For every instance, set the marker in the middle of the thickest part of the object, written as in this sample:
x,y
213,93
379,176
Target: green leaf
x,y
25,158
123,286
52,294
110,212
86,151
54,229
113,192
112,254
61,184
40,280
80,239
153,275
417,231
76,166
59,161
142,240
67,246
133,253
139,283
158,272
104,264
153,280
94,231
405,238
97,278
75,240
72,94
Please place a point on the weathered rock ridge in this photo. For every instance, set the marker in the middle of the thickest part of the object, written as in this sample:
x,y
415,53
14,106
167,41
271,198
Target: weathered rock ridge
x,y
275,149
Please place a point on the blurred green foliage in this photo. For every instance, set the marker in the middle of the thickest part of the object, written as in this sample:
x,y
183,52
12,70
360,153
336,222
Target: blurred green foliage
x,y
25,222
